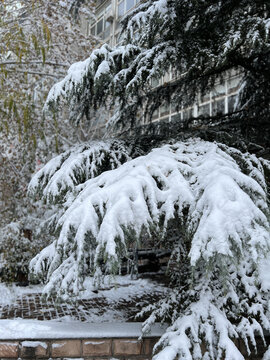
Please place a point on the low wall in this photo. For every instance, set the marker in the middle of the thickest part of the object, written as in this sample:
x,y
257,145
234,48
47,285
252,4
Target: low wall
x,y
30,339
94,349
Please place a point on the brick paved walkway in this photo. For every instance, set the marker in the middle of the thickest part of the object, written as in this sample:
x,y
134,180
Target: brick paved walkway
x,y
99,309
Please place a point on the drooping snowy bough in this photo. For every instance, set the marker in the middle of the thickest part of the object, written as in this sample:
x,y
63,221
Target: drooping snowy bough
x,y
215,198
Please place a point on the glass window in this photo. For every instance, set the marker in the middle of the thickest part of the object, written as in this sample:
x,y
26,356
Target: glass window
x,y
231,103
176,117
121,9
219,90
117,25
204,110
108,7
164,109
107,31
218,107
173,106
187,114
93,30
155,114
129,4
233,85
100,26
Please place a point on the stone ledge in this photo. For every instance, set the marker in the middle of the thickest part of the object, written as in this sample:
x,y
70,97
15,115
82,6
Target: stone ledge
x,y
86,349
51,330
71,348
127,347
96,347
9,349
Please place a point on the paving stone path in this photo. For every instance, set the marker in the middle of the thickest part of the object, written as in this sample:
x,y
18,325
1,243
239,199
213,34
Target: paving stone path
x,y
32,306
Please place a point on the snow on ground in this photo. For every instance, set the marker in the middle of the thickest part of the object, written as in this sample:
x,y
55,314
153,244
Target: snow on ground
x,y
119,300
121,287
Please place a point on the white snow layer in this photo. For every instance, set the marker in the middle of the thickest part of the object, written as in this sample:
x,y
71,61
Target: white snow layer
x,y
34,329
226,207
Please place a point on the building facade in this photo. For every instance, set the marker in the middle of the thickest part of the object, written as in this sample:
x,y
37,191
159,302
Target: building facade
x,y
220,101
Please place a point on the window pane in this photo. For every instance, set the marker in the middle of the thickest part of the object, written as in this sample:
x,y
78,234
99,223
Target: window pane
x,y
100,26
107,32
108,7
164,109
187,114
173,106
219,90
176,117
129,4
93,32
204,110
233,85
218,107
231,103
155,114
121,9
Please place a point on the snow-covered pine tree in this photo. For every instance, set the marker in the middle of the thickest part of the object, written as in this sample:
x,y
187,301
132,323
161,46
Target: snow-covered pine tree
x,y
213,196
199,40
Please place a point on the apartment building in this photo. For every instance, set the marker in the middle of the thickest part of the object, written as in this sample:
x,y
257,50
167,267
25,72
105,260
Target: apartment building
x,y
221,100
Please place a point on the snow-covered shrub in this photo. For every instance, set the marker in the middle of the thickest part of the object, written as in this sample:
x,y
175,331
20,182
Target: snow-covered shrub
x,y
216,199
17,247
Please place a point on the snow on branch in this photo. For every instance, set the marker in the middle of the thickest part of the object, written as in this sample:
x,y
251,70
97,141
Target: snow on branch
x,y
226,208
61,174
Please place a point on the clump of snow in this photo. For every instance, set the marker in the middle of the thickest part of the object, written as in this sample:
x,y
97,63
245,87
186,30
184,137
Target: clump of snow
x,y
34,344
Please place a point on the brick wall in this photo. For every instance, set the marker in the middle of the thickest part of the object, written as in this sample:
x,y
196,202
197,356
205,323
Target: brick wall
x,y
90,349
94,349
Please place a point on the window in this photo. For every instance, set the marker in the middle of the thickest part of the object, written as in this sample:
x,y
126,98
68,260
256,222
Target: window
x,y
155,114
218,107
125,5
176,117
233,85
102,27
231,103
129,4
187,114
121,8
164,109
204,110
218,91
